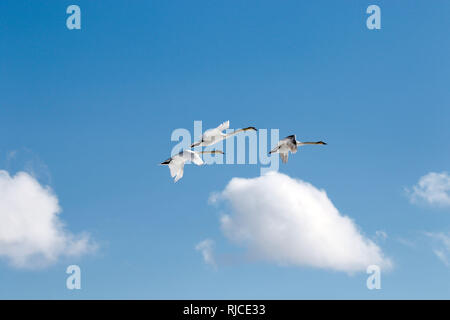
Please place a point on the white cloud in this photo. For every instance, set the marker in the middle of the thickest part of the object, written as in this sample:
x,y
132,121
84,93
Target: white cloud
x,y
206,248
433,188
31,233
443,251
290,222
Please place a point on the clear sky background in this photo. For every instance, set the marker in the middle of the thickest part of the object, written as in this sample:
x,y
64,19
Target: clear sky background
x,y
90,113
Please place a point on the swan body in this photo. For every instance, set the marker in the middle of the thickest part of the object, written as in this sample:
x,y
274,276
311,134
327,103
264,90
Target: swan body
x,y
290,144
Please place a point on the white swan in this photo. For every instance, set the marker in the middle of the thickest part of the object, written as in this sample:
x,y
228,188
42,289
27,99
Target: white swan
x,y
215,135
291,144
176,163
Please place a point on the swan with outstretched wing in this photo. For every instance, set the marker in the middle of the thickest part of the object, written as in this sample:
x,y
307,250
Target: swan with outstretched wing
x,y
176,163
215,135
290,144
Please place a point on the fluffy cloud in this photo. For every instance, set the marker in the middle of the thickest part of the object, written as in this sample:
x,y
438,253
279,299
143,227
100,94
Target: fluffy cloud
x,y
290,222
31,233
433,188
206,248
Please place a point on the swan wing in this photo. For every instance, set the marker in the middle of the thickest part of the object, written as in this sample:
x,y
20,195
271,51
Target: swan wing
x,y
175,166
179,174
274,150
192,156
196,159
223,126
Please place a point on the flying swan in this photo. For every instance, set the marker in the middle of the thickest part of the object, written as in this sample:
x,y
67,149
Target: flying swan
x,y
176,163
215,135
291,144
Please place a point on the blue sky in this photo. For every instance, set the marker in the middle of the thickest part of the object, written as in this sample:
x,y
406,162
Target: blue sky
x,y
90,113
